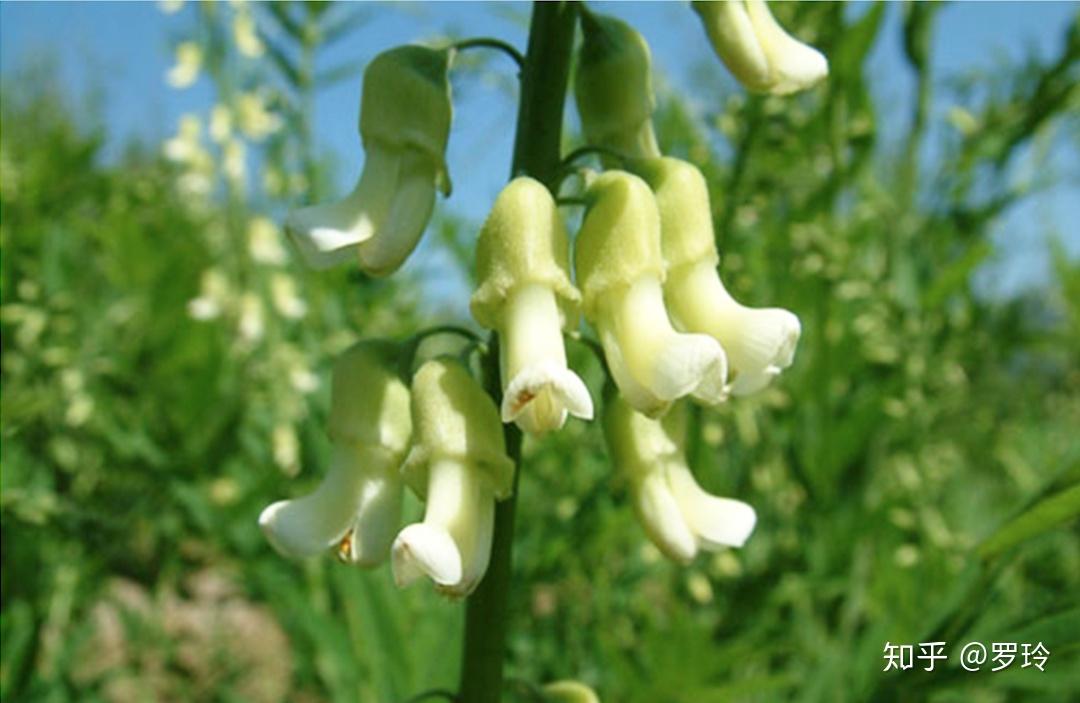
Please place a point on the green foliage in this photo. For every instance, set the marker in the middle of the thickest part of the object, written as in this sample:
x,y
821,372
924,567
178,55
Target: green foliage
x,y
915,473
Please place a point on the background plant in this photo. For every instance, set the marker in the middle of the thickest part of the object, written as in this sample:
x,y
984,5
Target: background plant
x,y
159,386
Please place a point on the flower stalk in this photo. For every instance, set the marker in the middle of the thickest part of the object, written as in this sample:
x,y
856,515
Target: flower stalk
x,y
544,79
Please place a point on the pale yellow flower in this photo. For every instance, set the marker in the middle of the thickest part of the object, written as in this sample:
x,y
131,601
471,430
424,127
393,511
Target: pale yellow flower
x,y
189,59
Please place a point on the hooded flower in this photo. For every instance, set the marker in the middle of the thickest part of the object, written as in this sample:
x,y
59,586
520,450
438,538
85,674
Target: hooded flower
x,y
522,264
755,48
458,465
621,271
613,87
760,342
358,504
679,517
405,117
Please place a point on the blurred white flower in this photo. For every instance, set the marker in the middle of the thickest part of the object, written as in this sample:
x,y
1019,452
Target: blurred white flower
x,y
251,326
303,380
234,161
213,296
182,147
221,122
253,117
170,7
283,293
189,58
79,410
244,34
286,448
264,242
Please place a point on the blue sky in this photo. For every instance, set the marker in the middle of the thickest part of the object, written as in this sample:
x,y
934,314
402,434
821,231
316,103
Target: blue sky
x,y
125,50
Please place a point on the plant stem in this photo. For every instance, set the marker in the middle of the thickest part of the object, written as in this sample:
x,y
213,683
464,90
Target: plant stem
x,y
536,153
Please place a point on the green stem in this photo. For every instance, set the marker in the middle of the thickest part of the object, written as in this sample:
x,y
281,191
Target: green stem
x,y
490,43
544,79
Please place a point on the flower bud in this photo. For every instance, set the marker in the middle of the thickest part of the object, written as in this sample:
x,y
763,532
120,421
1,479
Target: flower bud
x,y
458,465
613,87
679,517
568,692
759,342
359,501
405,115
620,269
755,48
525,293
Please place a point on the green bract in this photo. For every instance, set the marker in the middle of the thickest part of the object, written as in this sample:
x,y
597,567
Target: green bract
x,y
613,87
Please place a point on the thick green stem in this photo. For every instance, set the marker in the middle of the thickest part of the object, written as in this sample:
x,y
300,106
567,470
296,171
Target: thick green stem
x,y
536,153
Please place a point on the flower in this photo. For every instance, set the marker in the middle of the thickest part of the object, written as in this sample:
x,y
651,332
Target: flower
x,y
621,271
358,503
458,465
524,292
755,48
245,35
613,87
760,342
679,517
189,58
405,115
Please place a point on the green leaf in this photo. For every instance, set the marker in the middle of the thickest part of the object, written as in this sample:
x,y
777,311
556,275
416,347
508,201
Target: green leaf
x,y
1042,517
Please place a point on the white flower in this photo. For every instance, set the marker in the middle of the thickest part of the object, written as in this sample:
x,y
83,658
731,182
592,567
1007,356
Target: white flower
x,y
404,125
679,517
357,507
759,342
253,117
244,35
524,292
458,466
264,242
755,48
620,269
286,300
189,58
381,220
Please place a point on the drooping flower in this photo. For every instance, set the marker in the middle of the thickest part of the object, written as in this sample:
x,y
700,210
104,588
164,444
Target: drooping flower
x,y
459,467
679,517
621,272
613,87
757,50
405,115
760,342
524,292
358,504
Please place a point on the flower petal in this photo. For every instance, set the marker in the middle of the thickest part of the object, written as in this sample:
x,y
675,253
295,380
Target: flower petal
x,y
793,64
661,516
306,526
406,218
717,522
326,233
423,549
376,522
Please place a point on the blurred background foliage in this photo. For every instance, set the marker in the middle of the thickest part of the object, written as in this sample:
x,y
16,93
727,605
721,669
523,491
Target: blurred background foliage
x,y
165,364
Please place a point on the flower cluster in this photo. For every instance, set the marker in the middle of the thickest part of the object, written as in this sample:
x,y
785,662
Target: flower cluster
x,y
644,277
